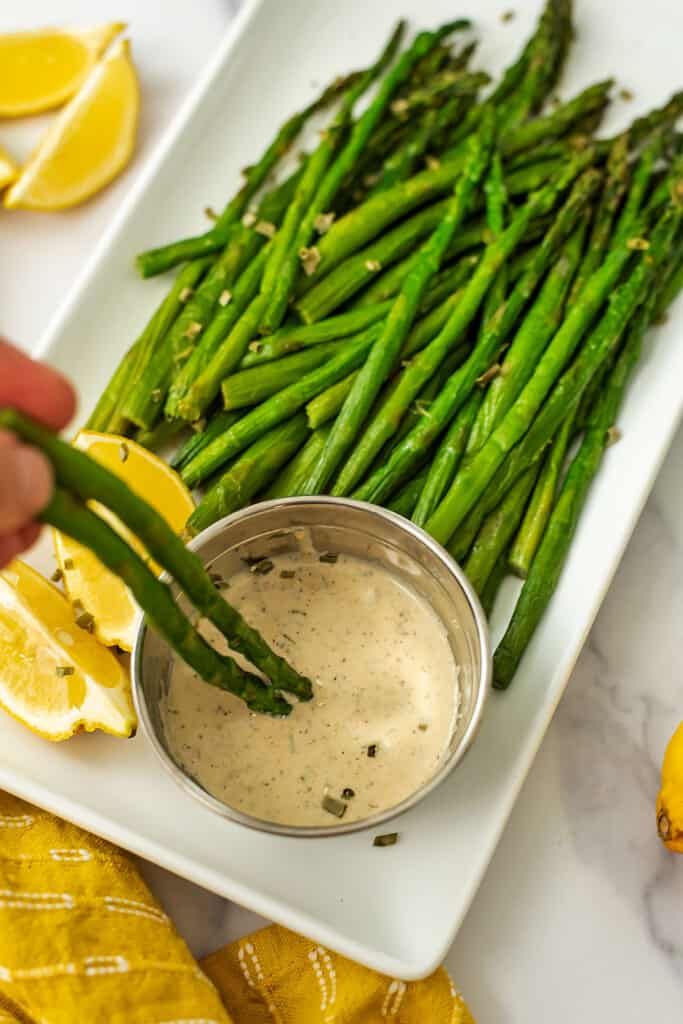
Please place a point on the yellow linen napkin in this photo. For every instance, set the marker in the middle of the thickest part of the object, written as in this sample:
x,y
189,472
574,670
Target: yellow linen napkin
x,y
82,941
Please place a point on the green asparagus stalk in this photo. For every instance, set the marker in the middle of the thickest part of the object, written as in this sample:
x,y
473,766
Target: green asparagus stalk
x,y
251,472
545,570
249,387
384,481
400,319
493,584
73,518
640,183
105,411
600,237
110,414
498,530
200,439
424,364
279,407
538,327
533,525
88,481
323,173
445,463
474,478
560,121
155,261
146,399
325,406
213,343
291,477
161,436
404,502
293,339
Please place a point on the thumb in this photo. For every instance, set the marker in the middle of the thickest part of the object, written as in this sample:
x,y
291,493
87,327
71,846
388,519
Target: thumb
x,y
26,483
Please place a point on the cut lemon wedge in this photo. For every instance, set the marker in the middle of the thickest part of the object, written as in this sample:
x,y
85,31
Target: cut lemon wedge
x,y
102,594
44,69
55,677
89,142
8,169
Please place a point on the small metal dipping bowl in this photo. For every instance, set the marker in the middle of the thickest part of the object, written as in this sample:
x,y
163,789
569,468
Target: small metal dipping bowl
x,y
366,532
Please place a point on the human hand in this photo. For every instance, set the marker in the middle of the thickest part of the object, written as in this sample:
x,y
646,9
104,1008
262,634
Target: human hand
x,y
25,474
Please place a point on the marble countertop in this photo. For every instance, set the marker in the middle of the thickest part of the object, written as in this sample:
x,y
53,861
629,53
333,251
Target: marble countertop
x,y
579,915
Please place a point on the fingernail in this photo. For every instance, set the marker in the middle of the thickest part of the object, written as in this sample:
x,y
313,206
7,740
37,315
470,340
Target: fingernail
x,y
33,480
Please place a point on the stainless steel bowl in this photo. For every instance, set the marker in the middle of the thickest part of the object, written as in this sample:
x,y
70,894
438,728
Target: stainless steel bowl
x,y
350,527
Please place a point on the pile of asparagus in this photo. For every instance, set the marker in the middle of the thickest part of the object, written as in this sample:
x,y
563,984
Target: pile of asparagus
x,y
437,310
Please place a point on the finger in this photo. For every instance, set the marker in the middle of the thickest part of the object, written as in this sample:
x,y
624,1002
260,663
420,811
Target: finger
x,y
10,546
26,483
34,388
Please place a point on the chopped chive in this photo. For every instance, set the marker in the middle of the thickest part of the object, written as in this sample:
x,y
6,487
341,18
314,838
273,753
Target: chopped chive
x,y
263,567
287,574
348,793
64,670
334,806
57,576
85,621
329,557
389,839
372,750
423,727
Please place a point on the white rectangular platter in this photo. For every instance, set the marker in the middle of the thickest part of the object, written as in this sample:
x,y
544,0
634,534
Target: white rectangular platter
x,y
395,909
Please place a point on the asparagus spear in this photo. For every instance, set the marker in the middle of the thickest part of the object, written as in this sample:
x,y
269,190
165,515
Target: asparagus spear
x,y
73,518
474,478
610,200
325,406
548,563
445,463
492,586
533,525
87,480
105,410
278,408
293,339
146,399
160,436
429,359
400,319
640,183
290,478
383,482
318,185
498,530
561,120
109,414
405,500
538,327
249,387
251,472
155,261
200,439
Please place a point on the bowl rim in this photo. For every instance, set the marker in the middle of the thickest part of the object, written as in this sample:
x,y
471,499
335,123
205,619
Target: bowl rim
x,y
225,810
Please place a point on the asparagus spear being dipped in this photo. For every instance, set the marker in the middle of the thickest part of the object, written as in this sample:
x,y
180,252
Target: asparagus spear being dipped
x,y
86,480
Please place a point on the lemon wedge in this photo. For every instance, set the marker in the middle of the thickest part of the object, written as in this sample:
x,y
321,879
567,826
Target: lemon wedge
x,y
8,169
89,142
99,591
41,70
54,676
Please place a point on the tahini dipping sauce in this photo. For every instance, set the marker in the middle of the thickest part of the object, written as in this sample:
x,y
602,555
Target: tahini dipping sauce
x,y
384,705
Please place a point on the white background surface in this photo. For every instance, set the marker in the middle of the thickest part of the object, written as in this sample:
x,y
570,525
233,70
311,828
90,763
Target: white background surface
x,y
579,917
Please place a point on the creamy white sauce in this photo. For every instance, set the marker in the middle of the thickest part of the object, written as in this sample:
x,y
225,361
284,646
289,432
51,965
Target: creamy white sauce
x,y
383,674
